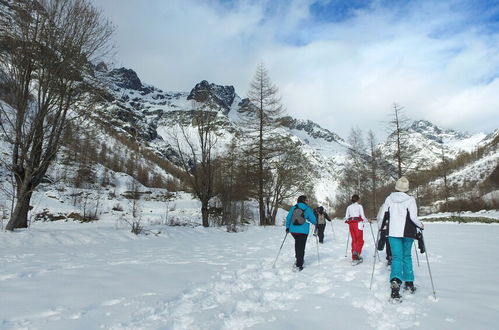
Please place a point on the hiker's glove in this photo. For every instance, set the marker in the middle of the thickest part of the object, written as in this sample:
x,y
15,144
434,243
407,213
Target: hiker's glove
x,y
287,230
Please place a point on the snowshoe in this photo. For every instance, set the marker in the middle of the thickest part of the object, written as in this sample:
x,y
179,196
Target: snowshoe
x,y
358,259
395,286
297,268
394,301
409,286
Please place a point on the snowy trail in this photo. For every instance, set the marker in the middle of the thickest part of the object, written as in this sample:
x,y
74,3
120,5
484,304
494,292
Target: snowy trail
x,y
89,277
238,299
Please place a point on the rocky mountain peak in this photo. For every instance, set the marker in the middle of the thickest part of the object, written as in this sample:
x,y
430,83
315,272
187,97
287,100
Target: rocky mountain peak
x,y
213,95
126,78
433,132
102,67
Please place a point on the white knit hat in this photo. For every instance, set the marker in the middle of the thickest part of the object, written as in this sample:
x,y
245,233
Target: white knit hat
x,y
402,184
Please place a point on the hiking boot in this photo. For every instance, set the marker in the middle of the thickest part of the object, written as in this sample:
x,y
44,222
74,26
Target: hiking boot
x,y
409,286
395,286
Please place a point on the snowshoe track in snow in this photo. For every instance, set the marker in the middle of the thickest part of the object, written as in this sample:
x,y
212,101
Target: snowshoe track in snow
x,y
208,279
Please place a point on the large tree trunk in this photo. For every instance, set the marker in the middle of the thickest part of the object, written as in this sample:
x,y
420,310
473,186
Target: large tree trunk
x,y
19,217
261,203
204,213
272,218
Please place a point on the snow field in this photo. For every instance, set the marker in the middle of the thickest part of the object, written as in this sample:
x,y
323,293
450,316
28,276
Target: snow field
x,y
66,275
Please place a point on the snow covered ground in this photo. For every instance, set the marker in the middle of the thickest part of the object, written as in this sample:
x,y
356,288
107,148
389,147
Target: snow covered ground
x,y
66,275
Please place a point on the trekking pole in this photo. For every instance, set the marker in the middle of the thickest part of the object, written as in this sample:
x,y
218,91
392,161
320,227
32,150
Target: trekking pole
x,y
317,241
374,259
374,241
429,270
416,251
273,266
332,228
348,240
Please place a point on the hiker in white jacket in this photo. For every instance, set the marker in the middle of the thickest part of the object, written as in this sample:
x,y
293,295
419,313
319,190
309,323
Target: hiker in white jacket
x,y
402,227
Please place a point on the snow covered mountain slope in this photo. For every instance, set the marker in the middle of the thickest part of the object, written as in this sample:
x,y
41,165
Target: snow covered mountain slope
x,y
151,114
426,141
148,114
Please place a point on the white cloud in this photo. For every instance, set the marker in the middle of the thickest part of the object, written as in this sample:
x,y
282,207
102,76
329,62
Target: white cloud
x,y
346,74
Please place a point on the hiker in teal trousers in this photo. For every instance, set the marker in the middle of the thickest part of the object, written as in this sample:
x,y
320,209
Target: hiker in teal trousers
x,y
403,224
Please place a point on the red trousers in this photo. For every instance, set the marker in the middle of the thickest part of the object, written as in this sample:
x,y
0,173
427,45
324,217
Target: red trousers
x,y
357,236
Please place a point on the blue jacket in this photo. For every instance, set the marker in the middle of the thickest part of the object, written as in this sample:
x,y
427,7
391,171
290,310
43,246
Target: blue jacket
x,y
308,214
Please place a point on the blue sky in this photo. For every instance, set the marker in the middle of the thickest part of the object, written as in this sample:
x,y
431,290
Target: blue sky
x,y
342,63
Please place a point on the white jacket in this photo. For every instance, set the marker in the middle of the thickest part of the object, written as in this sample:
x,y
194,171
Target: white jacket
x,y
355,210
398,203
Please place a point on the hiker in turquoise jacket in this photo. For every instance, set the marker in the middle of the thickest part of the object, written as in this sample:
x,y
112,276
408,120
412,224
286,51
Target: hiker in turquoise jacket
x,y
300,232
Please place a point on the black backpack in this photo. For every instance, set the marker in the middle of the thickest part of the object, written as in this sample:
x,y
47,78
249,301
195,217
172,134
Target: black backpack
x,y
298,217
383,232
410,231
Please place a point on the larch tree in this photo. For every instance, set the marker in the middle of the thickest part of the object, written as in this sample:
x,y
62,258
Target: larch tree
x,y
261,113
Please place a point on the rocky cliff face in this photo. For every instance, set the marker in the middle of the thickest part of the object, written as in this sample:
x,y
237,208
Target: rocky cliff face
x,y
311,128
126,78
214,96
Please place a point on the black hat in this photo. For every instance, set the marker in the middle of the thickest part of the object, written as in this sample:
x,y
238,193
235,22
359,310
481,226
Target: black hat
x,y
302,199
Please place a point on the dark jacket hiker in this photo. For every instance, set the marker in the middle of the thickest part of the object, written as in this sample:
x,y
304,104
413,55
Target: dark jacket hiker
x,y
321,216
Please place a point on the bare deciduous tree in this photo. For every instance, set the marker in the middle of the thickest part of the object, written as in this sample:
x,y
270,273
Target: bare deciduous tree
x,y
444,172
356,155
232,184
196,156
374,168
46,47
289,173
354,176
398,126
